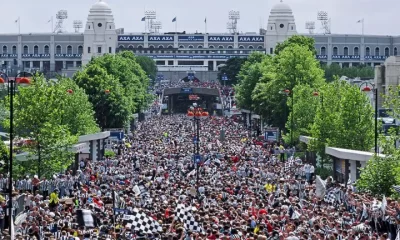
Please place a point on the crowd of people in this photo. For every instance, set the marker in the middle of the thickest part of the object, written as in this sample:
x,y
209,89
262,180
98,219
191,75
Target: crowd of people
x,y
238,187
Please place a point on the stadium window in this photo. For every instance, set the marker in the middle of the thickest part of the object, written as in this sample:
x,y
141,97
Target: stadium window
x,y
88,50
4,49
109,49
69,50
323,51
98,49
377,52
271,51
220,46
346,51
367,51
241,47
46,50
395,51
35,49
211,46
356,51
14,50
335,51
58,49
80,50
387,53
26,50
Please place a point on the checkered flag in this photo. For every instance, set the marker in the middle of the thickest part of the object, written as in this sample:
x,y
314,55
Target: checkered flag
x,y
330,197
184,215
140,222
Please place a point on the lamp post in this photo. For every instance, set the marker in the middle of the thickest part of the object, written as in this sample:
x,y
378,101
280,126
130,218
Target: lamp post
x,y
224,78
287,92
375,92
12,87
196,113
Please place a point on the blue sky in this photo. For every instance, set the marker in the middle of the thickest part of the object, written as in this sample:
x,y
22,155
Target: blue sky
x,y
380,16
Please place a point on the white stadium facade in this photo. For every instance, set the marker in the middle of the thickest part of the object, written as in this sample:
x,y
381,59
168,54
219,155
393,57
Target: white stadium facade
x,y
177,53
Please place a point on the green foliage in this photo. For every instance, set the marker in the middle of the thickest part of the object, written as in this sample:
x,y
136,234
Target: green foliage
x,y
334,69
109,154
295,65
249,75
304,41
53,119
148,65
125,82
303,111
344,119
231,69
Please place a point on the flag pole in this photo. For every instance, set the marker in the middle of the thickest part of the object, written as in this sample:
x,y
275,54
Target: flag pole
x,y
362,26
19,25
205,25
52,28
176,26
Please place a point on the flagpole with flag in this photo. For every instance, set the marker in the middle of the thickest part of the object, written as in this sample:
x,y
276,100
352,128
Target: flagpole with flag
x,y
145,26
51,21
205,25
176,24
19,25
362,25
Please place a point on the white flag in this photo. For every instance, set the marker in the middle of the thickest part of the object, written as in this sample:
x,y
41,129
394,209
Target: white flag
x,y
12,228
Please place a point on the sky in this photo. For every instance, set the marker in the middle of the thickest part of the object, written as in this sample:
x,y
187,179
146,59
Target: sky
x,y
380,17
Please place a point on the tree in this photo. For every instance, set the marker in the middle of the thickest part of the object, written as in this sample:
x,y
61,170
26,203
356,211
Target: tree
x,y
111,105
344,119
148,65
295,65
304,41
249,75
304,109
37,116
231,69
334,69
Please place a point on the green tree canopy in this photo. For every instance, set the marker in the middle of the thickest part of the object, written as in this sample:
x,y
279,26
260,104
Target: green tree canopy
x,y
304,41
248,77
344,119
148,65
231,69
46,113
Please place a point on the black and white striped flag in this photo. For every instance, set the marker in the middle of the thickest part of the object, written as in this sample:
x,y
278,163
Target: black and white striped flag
x,y
85,218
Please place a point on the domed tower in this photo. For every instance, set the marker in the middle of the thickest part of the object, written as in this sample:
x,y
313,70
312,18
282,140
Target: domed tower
x,y
281,25
100,36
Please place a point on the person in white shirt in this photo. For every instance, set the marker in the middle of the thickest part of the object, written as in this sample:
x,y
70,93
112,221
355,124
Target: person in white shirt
x,y
307,171
312,170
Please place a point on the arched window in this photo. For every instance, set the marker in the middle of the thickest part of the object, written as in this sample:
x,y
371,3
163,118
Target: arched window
x,y
5,50
241,47
35,49
346,51
356,51
26,49
170,46
191,46
131,47
367,51
251,47
230,46
377,52
160,46
220,47
181,46
58,49
69,49
335,51
140,47
80,49
323,51
46,49
395,51
200,46
387,52
151,47
260,47
211,46
14,50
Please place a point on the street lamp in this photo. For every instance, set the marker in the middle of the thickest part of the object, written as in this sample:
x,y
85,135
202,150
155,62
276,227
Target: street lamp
x,y
287,92
12,87
224,78
196,113
375,92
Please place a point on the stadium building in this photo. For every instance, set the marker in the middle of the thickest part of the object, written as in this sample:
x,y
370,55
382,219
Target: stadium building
x,y
177,53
